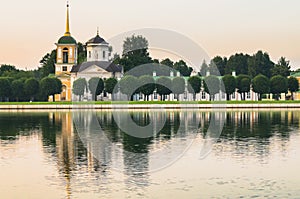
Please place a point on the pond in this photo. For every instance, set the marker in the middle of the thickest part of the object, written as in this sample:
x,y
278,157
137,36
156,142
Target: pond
x,y
150,154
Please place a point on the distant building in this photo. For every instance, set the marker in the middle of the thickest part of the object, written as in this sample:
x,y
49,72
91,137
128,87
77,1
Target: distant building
x,y
97,65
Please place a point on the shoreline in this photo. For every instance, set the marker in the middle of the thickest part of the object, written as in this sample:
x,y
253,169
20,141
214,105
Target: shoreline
x,y
148,106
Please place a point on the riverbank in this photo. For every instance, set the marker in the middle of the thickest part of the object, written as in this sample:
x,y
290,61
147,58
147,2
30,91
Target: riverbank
x,y
152,105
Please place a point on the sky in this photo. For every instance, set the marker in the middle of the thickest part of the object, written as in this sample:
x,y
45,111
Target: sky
x,y
29,29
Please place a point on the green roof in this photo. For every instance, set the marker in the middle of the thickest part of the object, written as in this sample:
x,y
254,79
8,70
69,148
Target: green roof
x,y
67,40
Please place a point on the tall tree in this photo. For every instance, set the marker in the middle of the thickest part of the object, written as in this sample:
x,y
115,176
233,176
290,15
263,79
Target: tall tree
x,y
243,84
237,63
79,87
194,85
279,84
217,66
81,53
229,85
282,68
293,85
96,86
48,64
261,85
31,88
260,63
178,86
135,52
183,68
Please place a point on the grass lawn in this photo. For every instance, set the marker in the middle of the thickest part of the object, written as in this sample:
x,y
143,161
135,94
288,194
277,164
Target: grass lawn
x,y
150,102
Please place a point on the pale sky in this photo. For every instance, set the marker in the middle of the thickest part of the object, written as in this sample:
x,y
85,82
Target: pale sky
x,y
30,28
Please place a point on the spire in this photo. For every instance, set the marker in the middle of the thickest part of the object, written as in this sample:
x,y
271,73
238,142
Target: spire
x,y
67,33
97,31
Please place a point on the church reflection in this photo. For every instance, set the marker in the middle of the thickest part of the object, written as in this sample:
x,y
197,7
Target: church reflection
x,y
245,132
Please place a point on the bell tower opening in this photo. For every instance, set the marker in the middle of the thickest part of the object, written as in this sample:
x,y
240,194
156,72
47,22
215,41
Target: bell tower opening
x,y
65,55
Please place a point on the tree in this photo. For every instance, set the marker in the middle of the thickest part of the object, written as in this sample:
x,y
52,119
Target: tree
x,y
237,63
7,68
129,86
220,64
167,62
5,88
50,86
204,69
260,63
17,87
212,86
243,84
279,84
135,52
110,85
48,64
229,84
147,85
81,53
293,85
79,87
31,88
96,86
282,68
164,86
194,85
183,68
261,85
178,86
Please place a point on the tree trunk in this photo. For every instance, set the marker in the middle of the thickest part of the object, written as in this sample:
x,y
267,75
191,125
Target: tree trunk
x,y
53,96
292,93
227,96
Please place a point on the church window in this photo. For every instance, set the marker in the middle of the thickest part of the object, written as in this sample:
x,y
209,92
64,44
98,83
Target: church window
x,y
65,55
104,54
64,68
90,54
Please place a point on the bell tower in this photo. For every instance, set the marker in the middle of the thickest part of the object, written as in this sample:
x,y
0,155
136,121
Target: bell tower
x,y
66,51
66,58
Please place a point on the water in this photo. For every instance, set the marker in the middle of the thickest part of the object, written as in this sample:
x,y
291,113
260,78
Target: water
x,y
46,155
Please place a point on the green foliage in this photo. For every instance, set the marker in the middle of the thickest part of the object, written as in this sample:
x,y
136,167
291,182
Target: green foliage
x,y
237,63
48,64
147,85
212,85
218,64
164,86
260,63
81,53
79,86
167,62
293,85
96,86
5,88
178,85
31,88
183,68
279,84
135,53
243,83
17,87
50,86
128,85
282,68
110,84
194,85
229,85
261,85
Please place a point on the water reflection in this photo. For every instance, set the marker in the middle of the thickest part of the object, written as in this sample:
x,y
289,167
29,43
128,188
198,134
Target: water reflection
x,y
245,134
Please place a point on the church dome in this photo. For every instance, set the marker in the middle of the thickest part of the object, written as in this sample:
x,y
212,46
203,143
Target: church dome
x,y
67,40
97,40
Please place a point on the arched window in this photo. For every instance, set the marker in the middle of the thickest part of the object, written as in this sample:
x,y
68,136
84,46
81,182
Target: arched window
x,y
65,55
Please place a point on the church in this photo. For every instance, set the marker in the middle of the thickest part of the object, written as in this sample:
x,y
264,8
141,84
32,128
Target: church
x,y
97,64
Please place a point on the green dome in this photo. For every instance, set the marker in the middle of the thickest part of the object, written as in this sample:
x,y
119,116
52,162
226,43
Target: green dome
x,y
66,40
